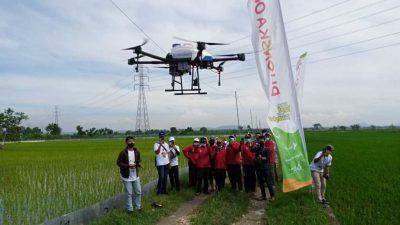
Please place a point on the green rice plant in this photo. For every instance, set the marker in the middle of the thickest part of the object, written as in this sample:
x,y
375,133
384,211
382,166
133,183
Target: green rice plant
x,y
364,183
41,181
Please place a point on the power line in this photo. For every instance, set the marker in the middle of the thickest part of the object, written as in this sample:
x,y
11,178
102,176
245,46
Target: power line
x,y
354,43
137,26
353,53
344,23
316,11
335,17
344,34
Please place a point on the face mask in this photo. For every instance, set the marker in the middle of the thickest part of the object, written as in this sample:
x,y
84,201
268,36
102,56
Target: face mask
x,y
219,146
196,144
171,143
130,145
268,138
203,144
231,139
247,140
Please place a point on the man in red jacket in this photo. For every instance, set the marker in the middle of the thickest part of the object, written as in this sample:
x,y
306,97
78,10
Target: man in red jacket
x,y
248,165
219,156
203,165
233,161
191,153
270,146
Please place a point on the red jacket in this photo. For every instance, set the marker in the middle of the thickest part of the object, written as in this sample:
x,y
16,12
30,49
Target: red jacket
x,y
220,159
270,145
233,154
191,153
204,156
247,155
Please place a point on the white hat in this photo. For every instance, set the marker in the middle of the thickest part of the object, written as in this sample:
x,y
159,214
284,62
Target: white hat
x,y
171,139
196,140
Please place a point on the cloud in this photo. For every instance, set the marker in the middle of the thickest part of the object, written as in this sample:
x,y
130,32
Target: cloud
x,y
69,54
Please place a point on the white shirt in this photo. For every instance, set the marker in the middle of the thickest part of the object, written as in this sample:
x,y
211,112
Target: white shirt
x,y
174,160
162,158
320,165
132,172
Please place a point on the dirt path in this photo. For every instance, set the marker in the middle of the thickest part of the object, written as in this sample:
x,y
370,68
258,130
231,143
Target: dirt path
x,y
184,213
256,211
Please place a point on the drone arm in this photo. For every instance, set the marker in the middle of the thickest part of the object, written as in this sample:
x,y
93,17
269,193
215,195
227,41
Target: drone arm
x,y
154,56
240,57
132,61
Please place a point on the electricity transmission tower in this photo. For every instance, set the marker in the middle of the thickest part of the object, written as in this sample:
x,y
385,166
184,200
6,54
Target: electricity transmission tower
x,y
56,114
142,116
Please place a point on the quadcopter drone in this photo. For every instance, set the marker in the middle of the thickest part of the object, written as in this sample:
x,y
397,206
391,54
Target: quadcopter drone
x,y
185,59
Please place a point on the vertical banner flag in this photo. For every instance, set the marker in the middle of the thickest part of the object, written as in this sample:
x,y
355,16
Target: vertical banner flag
x,y
275,71
299,79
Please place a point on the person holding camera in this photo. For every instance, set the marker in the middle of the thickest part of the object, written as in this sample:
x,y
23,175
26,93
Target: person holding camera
x,y
320,167
248,165
161,149
203,165
174,152
234,164
262,164
219,156
129,164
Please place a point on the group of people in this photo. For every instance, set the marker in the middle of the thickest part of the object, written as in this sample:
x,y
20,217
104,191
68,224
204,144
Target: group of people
x,y
210,160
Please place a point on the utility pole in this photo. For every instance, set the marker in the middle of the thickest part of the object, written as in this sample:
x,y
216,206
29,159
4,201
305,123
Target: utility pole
x,y
56,114
237,113
141,112
251,120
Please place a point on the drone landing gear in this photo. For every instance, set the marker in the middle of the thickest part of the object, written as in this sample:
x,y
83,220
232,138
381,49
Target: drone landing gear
x,y
194,87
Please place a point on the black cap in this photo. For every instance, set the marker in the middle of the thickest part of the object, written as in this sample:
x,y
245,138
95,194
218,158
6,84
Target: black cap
x,y
161,134
203,140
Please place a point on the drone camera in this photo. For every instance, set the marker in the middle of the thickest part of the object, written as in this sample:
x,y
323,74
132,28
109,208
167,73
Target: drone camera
x,y
131,61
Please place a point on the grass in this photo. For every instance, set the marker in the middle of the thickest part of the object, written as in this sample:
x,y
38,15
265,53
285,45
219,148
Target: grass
x,y
222,209
149,215
41,181
365,180
295,208
364,183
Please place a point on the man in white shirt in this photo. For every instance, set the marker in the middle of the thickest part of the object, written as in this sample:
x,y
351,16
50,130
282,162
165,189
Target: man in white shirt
x,y
161,149
174,152
320,167
129,164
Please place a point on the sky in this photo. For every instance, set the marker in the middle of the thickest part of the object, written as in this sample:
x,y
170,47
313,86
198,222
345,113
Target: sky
x,y
68,54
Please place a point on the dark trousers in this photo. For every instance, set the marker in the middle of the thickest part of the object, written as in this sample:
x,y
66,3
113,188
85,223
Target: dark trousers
x,y
211,178
219,175
162,179
249,178
235,176
192,174
264,176
174,178
202,176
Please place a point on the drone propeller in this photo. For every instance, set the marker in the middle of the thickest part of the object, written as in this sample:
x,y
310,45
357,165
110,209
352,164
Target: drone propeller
x,y
133,48
207,43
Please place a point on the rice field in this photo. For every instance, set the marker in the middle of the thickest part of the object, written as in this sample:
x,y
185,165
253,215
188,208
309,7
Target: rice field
x,y
40,181
43,180
365,175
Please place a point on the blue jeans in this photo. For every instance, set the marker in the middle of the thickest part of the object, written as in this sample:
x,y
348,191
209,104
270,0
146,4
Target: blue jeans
x,y
162,179
133,192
